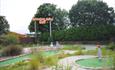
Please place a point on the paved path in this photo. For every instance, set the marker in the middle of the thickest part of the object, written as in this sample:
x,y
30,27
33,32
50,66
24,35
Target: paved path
x,y
91,46
70,61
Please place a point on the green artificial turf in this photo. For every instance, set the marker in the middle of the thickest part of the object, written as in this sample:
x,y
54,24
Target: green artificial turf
x,y
95,62
21,58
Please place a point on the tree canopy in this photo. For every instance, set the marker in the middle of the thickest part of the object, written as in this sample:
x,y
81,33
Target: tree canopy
x,y
90,20
4,26
60,18
91,12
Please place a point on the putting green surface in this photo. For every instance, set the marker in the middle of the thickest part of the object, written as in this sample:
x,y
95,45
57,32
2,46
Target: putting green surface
x,y
95,62
21,58
50,53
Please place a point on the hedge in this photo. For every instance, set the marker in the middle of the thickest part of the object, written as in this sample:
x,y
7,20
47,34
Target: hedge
x,y
83,33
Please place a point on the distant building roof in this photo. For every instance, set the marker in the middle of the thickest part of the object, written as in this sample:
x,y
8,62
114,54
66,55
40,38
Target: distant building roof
x,y
17,34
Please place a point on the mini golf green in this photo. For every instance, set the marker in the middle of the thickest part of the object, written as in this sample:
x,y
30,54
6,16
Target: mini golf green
x,y
21,58
50,53
95,62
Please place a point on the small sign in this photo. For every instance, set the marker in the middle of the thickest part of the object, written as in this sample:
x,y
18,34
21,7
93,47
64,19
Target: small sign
x,y
42,20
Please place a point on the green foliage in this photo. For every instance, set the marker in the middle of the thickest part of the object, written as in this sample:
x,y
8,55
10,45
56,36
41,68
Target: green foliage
x,y
83,33
1,47
79,52
111,46
4,26
51,60
37,61
104,51
111,54
91,52
91,12
9,39
12,50
34,64
60,18
113,57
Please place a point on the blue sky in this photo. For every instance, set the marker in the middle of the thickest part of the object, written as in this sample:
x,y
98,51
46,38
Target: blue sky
x,y
20,12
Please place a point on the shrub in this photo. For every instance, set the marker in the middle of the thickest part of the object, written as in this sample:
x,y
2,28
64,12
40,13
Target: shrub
x,y
9,39
111,46
51,60
34,63
1,47
12,50
104,51
37,61
113,57
82,33
91,52
79,52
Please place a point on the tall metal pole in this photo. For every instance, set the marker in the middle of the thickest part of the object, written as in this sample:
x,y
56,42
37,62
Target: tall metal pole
x,y
35,31
50,29
51,44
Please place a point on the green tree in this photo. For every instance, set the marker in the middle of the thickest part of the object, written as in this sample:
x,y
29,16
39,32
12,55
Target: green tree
x,y
60,18
91,12
4,26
